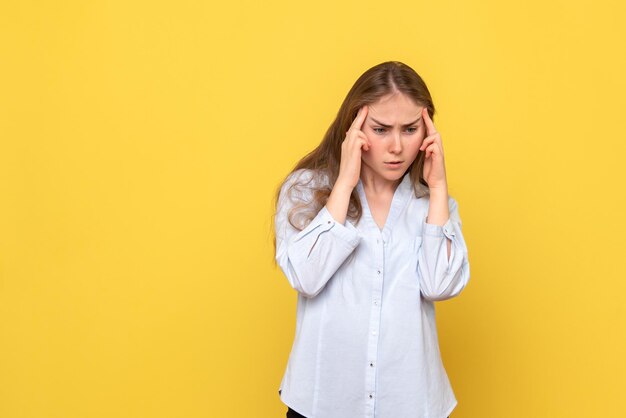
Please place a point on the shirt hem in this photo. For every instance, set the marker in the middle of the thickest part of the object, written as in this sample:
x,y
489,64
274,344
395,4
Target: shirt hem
x,y
289,403
449,411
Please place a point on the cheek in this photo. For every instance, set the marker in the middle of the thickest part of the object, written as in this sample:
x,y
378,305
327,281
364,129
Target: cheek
x,y
413,147
371,139
376,148
420,140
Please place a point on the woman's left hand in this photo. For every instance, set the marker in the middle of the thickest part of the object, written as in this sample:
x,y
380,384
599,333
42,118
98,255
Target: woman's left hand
x,y
434,167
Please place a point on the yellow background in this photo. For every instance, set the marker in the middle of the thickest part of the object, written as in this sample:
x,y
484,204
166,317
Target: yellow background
x,y
141,143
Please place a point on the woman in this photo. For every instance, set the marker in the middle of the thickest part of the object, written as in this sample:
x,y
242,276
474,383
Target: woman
x,y
368,236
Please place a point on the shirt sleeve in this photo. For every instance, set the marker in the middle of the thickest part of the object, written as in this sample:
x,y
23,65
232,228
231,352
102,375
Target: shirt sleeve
x,y
440,278
309,258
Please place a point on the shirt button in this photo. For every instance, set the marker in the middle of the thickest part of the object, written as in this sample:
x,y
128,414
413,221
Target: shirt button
x,y
329,221
378,271
376,302
371,395
371,364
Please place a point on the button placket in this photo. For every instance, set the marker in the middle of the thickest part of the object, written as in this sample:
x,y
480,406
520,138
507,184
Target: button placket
x,y
372,351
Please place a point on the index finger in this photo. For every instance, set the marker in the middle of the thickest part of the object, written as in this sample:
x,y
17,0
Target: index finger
x,y
360,117
430,126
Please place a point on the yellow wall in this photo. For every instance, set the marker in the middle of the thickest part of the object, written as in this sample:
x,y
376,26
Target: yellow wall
x,y
141,143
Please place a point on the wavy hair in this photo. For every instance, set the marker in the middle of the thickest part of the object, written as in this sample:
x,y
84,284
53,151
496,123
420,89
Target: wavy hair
x,y
389,77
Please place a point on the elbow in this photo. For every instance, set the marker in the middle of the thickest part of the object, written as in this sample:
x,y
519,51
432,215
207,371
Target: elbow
x,y
298,278
440,296
307,288
445,284
309,293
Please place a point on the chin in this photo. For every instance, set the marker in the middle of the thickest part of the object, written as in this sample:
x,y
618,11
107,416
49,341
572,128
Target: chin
x,y
392,175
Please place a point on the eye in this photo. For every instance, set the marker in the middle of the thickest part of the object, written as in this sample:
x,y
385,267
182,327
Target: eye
x,y
379,130
412,129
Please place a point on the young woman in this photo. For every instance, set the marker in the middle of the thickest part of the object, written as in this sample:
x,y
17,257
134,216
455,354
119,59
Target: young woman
x,y
368,236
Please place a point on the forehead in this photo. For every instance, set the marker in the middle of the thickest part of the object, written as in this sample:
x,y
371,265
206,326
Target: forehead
x,y
396,108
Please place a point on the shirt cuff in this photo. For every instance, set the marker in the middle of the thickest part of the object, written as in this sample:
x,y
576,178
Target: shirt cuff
x,y
347,232
325,222
448,229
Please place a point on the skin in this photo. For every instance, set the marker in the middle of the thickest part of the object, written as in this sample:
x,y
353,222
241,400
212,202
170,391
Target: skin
x,y
368,146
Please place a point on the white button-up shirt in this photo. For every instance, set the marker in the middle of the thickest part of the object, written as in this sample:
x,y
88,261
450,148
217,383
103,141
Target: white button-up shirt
x,y
366,340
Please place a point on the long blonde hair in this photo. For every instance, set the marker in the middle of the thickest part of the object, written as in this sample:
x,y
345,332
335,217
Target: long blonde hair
x,y
386,78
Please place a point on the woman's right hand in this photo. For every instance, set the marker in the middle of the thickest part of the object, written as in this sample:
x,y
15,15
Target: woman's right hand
x,y
350,165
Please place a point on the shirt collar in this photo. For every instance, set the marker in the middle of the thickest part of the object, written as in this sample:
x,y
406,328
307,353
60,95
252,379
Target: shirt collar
x,y
399,201
404,186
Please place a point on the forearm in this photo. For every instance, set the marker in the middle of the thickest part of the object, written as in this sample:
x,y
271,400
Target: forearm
x,y
438,210
338,202
442,276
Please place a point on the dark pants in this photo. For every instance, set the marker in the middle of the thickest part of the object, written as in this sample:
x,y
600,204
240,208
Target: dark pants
x,y
293,414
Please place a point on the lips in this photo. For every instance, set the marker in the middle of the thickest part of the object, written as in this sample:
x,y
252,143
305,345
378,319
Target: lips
x,y
394,165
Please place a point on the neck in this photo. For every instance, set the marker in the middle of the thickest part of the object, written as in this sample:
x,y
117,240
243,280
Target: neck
x,y
375,184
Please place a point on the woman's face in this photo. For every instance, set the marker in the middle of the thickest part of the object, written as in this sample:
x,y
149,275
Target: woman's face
x,y
395,129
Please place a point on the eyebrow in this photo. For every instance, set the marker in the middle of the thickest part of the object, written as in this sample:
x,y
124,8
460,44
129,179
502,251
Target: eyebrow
x,y
389,126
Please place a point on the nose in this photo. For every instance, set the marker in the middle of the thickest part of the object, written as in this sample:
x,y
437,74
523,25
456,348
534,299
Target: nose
x,y
396,143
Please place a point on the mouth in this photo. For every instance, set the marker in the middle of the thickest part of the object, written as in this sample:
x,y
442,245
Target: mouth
x,y
393,165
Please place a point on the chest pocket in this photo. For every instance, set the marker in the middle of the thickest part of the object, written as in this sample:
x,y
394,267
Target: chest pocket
x,y
405,282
